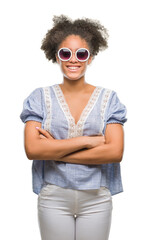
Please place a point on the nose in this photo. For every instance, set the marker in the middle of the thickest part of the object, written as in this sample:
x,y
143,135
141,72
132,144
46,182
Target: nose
x,y
73,57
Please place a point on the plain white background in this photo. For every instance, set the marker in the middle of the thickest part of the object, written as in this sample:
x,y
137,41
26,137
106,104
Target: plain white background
x,y
122,67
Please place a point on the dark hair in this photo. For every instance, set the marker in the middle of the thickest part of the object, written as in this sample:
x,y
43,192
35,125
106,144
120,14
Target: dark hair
x,y
90,30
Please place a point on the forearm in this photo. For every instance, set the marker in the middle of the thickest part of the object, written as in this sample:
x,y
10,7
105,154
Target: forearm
x,y
44,149
103,154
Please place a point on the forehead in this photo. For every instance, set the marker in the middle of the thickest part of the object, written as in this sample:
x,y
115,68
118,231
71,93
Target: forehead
x,y
74,42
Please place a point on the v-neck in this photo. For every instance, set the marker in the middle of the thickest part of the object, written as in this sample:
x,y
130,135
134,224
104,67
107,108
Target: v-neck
x,y
65,107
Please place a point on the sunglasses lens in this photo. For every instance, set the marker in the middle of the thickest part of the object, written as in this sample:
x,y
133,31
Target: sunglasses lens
x,y
64,54
82,54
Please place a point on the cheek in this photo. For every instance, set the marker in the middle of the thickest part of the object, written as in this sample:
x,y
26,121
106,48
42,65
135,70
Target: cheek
x,y
84,67
62,67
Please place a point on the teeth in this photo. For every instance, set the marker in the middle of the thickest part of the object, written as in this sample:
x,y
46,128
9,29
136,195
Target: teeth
x,y
73,68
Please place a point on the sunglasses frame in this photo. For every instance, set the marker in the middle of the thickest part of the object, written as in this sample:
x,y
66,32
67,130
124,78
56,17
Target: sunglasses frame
x,y
72,54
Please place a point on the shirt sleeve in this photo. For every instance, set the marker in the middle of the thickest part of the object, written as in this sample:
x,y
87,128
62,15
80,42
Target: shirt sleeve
x,y
32,107
116,111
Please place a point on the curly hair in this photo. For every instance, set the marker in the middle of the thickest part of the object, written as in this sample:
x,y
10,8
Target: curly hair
x,y
90,30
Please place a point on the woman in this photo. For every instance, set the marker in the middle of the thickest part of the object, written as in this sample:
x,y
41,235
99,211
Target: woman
x,y
74,135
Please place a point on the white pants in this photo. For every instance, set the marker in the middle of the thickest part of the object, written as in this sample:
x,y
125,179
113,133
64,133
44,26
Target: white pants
x,y
68,214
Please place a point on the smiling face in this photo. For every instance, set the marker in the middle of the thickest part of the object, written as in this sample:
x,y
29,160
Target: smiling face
x,y
73,69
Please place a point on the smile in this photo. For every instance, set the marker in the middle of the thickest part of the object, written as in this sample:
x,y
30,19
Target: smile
x,y
73,68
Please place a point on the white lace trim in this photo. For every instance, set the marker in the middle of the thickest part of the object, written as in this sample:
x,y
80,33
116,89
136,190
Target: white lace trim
x,y
47,123
87,110
75,130
104,102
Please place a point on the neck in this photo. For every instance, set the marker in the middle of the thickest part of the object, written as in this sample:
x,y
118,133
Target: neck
x,y
74,86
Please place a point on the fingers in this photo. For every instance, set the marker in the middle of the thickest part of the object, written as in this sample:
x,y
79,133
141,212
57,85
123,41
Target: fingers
x,y
97,135
42,136
103,139
44,132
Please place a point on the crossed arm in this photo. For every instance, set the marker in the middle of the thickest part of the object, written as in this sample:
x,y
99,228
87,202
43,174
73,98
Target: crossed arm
x,y
109,152
40,145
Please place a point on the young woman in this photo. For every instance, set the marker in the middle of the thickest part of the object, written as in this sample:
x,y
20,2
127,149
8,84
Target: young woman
x,y
74,135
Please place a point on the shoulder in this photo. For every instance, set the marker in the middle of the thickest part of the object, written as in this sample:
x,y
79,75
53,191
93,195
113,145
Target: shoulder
x,y
35,92
33,106
105,93
36,98
115,111
40,92
108,92
104,88
110,96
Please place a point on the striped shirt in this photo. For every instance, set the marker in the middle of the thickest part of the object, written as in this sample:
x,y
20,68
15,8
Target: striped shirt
x,y
48,106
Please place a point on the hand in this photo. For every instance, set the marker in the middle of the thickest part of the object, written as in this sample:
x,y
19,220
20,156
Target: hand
x,y
95,141
44,134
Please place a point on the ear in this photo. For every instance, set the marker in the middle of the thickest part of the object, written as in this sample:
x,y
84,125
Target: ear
x,y
57,59
90,60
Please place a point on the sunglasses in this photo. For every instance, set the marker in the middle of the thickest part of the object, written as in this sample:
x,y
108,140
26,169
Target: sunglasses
x,y
65,54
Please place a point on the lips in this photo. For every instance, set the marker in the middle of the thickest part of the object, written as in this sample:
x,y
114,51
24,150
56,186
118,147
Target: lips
x,y
73,68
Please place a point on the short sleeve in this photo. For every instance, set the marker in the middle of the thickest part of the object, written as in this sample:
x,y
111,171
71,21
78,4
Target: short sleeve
x,y
33,107
116,112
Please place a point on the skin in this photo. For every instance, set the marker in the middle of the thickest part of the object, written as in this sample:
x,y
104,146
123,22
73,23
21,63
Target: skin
x,y
74,80
40,145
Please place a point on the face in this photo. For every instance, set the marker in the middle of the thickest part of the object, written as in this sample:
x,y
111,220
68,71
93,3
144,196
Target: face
x,y
73,42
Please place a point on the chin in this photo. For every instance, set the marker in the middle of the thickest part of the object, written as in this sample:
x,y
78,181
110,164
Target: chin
x,y
73,78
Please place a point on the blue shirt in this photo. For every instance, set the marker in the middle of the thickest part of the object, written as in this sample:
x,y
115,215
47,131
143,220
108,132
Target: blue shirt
x,y
48,106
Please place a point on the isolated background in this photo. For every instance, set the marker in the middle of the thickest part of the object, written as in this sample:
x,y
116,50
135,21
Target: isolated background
x,y
122,67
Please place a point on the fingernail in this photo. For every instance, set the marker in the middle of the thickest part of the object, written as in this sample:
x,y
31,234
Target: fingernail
x,y
37,127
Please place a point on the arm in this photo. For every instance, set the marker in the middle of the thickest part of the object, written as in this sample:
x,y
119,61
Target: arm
x,y
110,152
41,148
44,147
